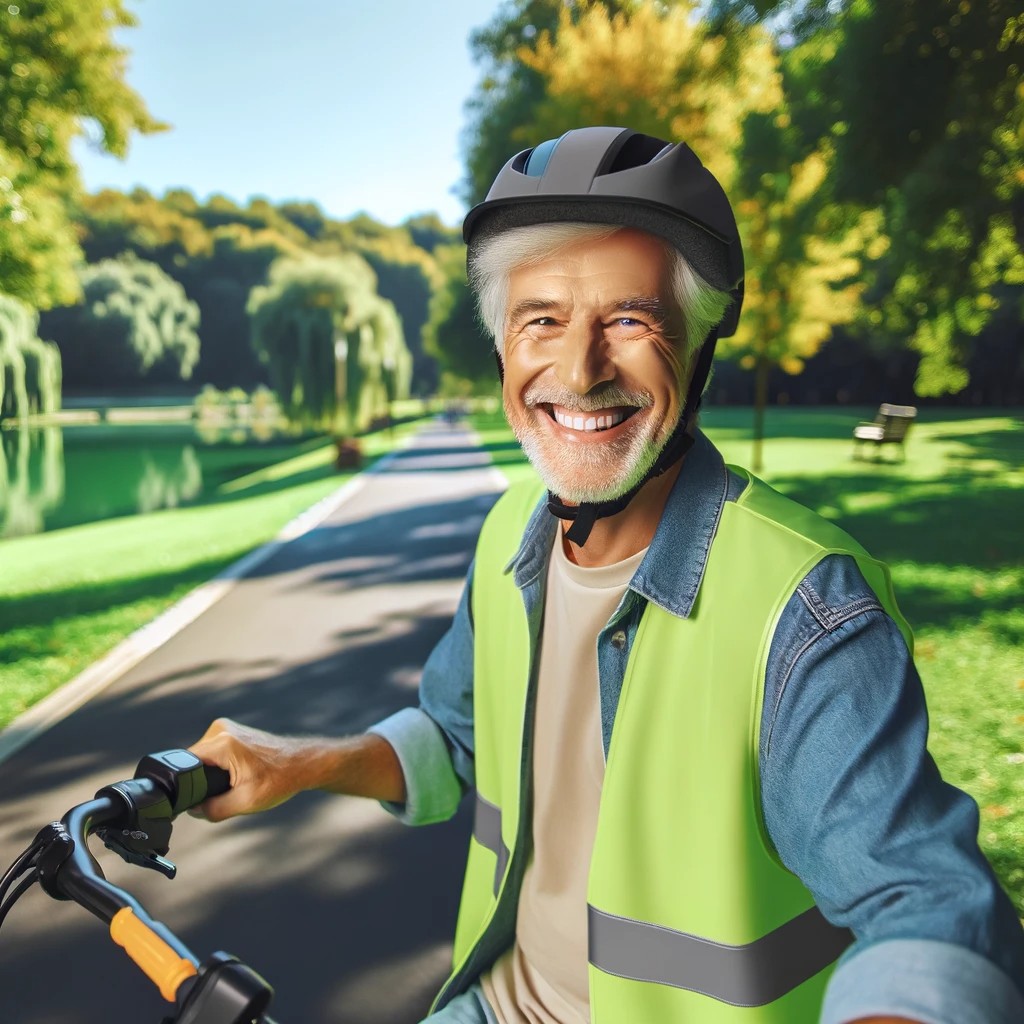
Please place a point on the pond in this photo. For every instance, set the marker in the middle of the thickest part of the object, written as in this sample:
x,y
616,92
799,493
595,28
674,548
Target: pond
x,y
54,477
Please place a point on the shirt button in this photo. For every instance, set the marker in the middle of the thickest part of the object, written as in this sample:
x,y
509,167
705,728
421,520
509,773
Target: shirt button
x,y
619,639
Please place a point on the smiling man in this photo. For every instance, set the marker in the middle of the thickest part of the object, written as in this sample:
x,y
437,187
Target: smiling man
x,y
684,705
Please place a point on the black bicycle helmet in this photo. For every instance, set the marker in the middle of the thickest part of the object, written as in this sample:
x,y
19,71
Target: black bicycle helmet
x,y
618,176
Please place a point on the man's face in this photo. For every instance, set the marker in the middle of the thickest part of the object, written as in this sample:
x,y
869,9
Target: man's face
x,y
594,365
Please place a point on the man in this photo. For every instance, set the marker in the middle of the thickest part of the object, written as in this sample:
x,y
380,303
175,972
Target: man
x,y
686,704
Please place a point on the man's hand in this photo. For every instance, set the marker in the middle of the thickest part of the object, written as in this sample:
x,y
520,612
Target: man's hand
x,y
266,769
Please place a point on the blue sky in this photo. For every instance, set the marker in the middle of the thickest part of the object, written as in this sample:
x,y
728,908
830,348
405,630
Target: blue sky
x,y
355,104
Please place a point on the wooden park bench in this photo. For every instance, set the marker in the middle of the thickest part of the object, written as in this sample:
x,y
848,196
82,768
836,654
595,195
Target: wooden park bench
x,y
890,426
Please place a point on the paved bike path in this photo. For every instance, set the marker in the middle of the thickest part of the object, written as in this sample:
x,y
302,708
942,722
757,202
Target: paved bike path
x,y
346,912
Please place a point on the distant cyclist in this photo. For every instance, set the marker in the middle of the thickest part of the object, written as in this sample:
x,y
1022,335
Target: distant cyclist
x,y
684,705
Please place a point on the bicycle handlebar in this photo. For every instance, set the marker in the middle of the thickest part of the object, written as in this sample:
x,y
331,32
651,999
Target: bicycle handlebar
x,y
134,819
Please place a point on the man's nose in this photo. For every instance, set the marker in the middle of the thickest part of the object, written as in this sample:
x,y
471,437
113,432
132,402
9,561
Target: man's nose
x,y
583,361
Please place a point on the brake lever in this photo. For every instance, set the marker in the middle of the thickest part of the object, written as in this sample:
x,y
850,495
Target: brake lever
x,y
144,858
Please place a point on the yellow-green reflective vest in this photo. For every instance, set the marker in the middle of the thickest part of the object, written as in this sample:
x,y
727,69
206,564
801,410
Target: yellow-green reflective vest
x,y
693,919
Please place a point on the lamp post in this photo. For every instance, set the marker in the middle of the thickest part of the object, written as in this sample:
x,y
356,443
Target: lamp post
x,y
341,379
389,371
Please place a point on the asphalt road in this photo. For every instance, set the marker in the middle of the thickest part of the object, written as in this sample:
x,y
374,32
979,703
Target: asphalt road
x,y
348,913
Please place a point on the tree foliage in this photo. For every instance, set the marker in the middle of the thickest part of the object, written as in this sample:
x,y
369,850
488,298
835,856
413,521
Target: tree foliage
x,y
61,73
453,333
30,369
134,322
656,69
219,251
920,100
331,343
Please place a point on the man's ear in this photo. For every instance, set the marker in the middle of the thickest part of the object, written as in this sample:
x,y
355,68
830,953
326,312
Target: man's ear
x,y
501,365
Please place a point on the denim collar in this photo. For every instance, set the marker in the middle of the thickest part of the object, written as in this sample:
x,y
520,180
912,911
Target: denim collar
x,y
672,570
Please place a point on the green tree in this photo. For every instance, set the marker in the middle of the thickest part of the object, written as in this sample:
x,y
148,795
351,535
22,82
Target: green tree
x,y
501,108
805,258
428,231
61,73
309,323
30,369
453,334
217,266
944,164
134,322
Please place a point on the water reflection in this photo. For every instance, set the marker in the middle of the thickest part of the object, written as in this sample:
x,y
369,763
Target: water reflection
x,y
167,487
54,477
31,478
50,480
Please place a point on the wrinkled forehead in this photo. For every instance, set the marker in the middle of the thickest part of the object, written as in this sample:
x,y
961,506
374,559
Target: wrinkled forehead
x,y
627,260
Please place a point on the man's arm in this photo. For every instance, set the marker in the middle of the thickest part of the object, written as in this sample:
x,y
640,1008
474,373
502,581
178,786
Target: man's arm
x,y
267,769
418,762
857,809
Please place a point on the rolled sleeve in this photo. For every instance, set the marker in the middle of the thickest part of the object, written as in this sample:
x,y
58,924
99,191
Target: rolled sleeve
x,y
432,788
925,981
434,742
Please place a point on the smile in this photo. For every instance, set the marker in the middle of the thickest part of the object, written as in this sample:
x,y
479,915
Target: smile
x,y
589,422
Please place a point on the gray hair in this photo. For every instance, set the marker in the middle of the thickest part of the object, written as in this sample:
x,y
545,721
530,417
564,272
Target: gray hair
x,y
494,258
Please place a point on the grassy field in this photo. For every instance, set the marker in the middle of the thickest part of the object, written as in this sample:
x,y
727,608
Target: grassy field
x,y
949,523
69,596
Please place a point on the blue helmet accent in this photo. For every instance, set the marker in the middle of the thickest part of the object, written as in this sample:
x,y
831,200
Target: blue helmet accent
x,y
538,159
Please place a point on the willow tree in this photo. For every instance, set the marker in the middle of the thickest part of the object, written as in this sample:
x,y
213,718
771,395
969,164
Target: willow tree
x,y
30,369
394,359
308,324
134,323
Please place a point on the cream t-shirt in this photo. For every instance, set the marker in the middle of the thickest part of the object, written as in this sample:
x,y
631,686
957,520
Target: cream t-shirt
x,y
542,979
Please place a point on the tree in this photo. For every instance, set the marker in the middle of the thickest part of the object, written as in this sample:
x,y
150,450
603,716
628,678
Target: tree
x,y
60,70
30,369
220,251
134,322
453,334
943,164
309,324
657,70
428,231
804,258
501,109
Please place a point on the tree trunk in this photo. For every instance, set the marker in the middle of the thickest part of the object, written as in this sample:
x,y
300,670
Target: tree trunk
x,y
760,402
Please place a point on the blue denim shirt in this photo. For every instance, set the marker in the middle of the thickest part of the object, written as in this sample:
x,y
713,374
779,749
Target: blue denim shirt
x,y
852,801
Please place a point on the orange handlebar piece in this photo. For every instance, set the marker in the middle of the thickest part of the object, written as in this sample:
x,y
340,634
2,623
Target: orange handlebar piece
x,y
161,964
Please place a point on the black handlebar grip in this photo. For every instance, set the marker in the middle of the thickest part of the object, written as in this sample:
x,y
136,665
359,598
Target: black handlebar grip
x,y
217,780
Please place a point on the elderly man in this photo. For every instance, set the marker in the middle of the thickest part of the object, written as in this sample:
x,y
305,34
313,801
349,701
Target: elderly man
x,y
686,705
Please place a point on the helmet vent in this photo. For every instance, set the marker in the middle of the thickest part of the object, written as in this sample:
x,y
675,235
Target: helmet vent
x,y
637,151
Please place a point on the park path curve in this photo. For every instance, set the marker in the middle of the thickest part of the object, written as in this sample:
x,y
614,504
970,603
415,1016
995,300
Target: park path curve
x,y
348,913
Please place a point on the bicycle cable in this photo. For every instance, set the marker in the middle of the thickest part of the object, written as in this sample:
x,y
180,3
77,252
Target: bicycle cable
x,y
26,861
20,890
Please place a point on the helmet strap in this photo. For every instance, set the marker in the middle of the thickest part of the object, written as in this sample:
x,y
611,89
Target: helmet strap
x,y
586,514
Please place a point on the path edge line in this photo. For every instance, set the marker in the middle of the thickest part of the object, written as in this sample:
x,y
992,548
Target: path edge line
x,y
91,681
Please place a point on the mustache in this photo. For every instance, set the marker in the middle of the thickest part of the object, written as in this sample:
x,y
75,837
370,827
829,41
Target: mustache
x,y
605,397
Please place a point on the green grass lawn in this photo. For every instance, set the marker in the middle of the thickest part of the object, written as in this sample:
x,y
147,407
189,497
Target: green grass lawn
x,y
71,595
949,523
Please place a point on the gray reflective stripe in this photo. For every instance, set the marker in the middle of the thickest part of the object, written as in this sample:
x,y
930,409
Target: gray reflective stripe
x,y
750,975
487,832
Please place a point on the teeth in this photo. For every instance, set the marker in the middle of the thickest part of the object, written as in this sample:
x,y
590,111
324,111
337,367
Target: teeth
x,y
588,423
